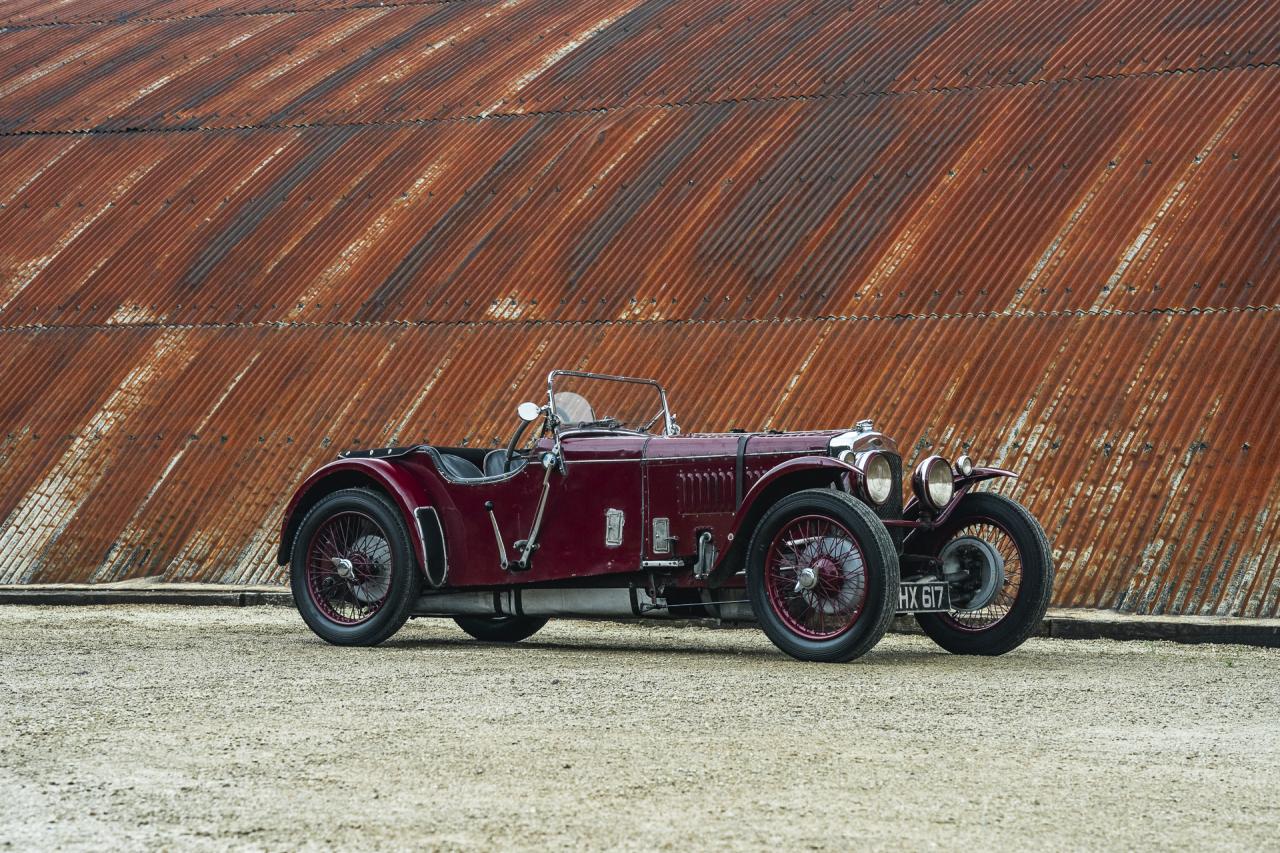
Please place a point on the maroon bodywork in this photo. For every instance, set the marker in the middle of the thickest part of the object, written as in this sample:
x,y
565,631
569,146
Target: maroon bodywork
x,y
717,484
691,480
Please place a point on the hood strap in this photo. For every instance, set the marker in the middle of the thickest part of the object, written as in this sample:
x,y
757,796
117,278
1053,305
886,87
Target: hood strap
x,y
740,468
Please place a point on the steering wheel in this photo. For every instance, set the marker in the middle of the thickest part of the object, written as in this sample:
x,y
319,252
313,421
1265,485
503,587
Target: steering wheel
x,y
511,445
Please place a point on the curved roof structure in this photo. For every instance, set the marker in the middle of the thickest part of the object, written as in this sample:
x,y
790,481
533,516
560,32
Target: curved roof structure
x,y
238,237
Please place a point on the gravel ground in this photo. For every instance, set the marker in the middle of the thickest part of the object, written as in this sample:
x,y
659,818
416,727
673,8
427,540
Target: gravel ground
x,y
217,727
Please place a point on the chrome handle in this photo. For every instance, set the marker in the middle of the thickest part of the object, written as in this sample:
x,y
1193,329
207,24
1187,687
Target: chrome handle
x,y
497,535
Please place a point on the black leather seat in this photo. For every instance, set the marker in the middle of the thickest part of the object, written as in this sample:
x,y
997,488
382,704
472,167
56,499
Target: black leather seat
x,y
495,463
460,468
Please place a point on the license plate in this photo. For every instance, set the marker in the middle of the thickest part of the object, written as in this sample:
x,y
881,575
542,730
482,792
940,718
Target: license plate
x,y
924,597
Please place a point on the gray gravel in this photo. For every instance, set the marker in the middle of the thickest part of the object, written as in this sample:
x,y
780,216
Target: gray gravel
x,y
215,727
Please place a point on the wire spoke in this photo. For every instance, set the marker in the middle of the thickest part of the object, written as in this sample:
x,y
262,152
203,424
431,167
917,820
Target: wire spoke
x,y
1006,595
816,577
355,598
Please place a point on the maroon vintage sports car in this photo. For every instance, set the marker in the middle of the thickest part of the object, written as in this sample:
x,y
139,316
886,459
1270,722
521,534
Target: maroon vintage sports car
x,y
608,511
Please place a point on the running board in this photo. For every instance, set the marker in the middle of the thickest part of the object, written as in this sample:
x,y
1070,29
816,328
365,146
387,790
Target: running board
x,y
633,602
580,603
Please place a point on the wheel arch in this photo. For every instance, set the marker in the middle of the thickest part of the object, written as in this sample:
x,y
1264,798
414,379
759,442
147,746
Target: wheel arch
x,y
380,476
794,475
964,484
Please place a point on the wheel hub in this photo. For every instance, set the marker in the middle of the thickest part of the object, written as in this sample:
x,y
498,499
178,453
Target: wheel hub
x,y
806,578
345,567
977,566
816,578
822,582
371,568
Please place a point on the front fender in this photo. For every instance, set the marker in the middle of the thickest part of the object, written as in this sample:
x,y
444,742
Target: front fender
x,y
793,475
400,484
964,483
826,468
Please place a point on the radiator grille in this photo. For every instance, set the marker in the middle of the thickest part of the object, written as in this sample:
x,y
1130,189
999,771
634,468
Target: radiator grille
x,y
892,508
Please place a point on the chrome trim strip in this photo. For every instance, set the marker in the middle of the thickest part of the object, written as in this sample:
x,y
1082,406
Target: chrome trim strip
x,y
422,543
674,459
444,546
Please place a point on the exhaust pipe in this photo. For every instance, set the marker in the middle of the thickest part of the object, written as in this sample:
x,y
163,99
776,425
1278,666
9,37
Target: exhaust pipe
x,y
583,603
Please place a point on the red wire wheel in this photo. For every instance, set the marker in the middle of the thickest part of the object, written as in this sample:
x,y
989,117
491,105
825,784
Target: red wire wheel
x,y
352,568
1000,549
822,575
816,577
349,568
999,562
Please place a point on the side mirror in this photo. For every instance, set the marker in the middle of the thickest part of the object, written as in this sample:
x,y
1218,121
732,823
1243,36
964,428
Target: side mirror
x,y
529,412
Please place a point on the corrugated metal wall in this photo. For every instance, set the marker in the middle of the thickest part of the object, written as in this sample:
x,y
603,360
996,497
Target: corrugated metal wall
x,y
238,237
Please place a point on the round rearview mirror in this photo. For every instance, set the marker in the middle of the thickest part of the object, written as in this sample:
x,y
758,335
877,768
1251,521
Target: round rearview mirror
x,y
529,412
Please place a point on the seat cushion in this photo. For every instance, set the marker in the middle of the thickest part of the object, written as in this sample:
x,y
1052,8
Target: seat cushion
x,y
495,463
494,459
460,468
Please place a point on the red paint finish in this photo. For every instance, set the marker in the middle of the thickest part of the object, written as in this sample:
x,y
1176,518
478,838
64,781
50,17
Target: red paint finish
x,y
692,480
602,472
394,477
716,483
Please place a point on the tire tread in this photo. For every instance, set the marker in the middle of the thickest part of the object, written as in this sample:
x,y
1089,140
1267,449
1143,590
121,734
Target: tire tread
x,y
381,628
886,556
1005,636
501,629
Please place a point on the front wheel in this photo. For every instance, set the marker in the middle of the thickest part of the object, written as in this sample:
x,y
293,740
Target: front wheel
x,y
822,576
997,560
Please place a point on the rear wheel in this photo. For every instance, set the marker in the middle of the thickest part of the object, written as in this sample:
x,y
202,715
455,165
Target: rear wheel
x,y
500,629
822,575
353,576
997,560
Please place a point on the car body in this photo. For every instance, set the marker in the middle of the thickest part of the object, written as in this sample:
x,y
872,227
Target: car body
x,y
597,516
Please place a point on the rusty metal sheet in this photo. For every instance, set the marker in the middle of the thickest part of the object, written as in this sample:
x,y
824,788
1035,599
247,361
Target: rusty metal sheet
x,y
1049,239
376,63
48,14
733,211
173,463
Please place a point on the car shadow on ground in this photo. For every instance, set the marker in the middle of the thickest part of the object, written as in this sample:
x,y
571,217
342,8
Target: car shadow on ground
x,y
409,643
683,649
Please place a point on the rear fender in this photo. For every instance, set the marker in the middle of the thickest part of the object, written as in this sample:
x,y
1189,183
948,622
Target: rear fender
x,y
805,472
408,490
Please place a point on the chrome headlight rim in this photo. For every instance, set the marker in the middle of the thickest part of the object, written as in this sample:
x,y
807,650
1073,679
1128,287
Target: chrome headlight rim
x,y
862,461
964,465
877,476
933,482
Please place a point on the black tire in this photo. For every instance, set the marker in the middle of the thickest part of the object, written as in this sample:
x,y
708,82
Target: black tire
x,y
500,629
879,579
1024,608
316,590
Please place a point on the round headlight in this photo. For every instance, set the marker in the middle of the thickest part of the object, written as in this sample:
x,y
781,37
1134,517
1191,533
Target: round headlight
x,y
933,483
877,475
964,465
